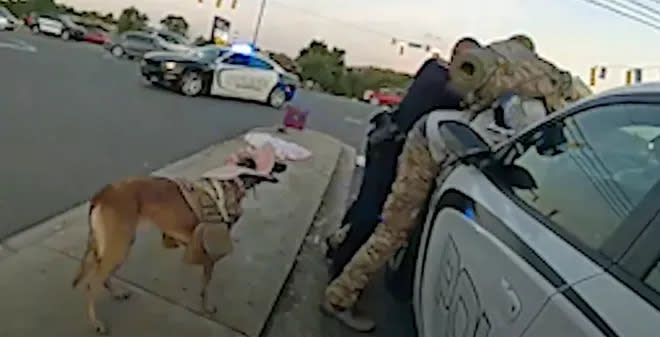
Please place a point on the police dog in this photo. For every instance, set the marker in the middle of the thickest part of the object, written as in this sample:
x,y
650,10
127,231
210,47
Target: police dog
x,y
196,214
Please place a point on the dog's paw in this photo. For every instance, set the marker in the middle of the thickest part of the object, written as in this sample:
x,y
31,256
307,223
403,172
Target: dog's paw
x,y
100,328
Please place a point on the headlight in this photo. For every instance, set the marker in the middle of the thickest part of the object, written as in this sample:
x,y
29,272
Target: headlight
x,y
170,65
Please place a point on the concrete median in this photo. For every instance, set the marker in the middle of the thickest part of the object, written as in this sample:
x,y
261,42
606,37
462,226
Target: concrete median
x,y
36,266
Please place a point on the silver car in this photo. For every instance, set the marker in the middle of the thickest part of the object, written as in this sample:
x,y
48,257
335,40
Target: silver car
x,y
137,43
554,233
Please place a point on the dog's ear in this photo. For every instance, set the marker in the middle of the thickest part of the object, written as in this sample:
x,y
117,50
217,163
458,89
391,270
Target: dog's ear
x,y
279,167
259,178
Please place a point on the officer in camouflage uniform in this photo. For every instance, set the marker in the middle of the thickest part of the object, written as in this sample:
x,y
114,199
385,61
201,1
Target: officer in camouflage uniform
x,y
420,164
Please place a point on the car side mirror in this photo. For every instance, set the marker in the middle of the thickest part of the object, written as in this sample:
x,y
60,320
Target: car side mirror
x,y
464,142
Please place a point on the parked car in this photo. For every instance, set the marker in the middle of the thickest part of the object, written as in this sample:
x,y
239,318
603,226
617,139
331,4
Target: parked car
x,y
221,71
7,19
96,35
384,96
173,41
554,233
72,29
136,43
59,25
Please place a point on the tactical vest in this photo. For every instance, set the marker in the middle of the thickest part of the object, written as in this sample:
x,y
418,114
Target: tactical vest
x,y
481,75
217,207
206,197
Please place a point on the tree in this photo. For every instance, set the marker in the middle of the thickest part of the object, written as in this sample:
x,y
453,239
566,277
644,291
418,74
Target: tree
x,y
131,19
326,67
109,18
175,23
323,65
21,9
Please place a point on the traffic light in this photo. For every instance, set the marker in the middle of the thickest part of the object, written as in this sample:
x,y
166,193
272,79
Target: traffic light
x,y
628,76
592,76
234,4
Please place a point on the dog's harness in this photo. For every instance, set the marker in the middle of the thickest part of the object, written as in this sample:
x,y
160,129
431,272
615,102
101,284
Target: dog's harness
x,y
206,197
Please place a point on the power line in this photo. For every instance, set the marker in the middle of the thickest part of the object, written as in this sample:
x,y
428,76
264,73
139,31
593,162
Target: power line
x,y
647,7
634,10
622,13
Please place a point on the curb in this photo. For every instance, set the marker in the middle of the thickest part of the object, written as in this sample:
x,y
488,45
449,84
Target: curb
x,y
60,233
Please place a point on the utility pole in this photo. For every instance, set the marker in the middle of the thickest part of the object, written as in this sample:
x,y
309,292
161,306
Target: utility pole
x,y
256,29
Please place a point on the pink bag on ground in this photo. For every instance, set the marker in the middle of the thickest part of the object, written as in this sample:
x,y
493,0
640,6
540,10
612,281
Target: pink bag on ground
x,y
295,118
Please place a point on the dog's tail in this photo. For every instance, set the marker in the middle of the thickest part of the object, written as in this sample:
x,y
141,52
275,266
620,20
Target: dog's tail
x,y
90,258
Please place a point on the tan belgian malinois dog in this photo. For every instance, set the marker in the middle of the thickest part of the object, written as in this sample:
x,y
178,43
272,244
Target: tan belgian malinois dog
x,y
197,214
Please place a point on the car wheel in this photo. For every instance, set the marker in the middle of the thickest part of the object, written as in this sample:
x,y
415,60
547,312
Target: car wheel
x,y
192,84
374,101
277,98
400,269
35,29
65,35
117,51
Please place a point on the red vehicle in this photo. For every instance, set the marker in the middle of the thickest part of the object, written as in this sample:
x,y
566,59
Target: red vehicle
x,y
385,96
97,36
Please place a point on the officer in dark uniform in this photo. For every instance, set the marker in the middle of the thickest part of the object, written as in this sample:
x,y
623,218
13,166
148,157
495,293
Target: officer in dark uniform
x,y
429,91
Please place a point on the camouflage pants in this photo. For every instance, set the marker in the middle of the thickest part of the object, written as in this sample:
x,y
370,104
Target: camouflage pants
x,y
415,174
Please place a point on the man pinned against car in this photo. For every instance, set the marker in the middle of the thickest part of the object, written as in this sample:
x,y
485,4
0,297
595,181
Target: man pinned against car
x,y
495,112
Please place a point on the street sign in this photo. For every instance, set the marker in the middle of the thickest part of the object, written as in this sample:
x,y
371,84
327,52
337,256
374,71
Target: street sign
x,y
220,31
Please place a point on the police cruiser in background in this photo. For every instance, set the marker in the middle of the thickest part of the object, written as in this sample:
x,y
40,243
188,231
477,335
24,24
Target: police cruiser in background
x,y
237,71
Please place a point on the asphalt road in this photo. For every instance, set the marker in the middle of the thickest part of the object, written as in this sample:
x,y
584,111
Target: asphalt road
x,y
73,118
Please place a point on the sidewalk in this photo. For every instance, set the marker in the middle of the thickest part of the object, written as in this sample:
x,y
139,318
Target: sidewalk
x,y
37,266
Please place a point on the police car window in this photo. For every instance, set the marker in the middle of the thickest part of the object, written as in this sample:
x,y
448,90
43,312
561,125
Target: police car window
x,y
256,62
238,59
593,168
653,278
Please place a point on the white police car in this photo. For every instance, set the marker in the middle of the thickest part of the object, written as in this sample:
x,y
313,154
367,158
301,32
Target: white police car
x,y
236,71
554,233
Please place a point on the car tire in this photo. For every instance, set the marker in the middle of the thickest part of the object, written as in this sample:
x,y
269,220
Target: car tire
x,y
65,35
374,101
35,29
400,269
117,51
191,84
277,98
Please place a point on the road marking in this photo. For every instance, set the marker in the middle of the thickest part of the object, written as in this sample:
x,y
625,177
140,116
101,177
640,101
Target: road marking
x,y
353,120
18,45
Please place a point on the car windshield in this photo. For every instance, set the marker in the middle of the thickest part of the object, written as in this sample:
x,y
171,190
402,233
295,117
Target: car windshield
x,y
207,53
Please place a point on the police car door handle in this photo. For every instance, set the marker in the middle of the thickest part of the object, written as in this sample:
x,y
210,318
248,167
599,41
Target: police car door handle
x,y
512,303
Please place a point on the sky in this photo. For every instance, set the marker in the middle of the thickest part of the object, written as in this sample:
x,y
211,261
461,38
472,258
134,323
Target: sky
x,y
573,34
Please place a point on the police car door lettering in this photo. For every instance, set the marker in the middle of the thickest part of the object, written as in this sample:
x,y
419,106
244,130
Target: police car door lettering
x,y
252,80
456,298
242,79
